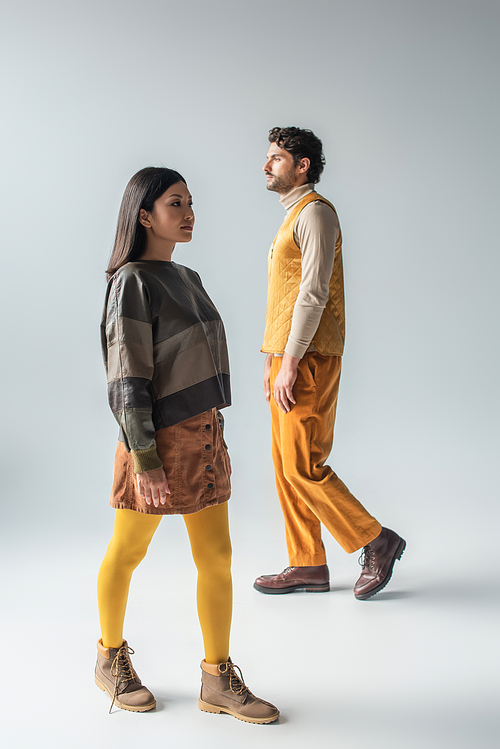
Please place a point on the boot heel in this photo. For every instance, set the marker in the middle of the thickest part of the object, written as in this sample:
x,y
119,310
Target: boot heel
x,y
319,589
208,708
401,550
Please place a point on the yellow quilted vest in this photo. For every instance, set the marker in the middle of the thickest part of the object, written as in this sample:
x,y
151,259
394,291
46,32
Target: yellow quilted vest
x,y
285,273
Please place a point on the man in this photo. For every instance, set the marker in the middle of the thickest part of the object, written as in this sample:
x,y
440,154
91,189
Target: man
x,y
304,342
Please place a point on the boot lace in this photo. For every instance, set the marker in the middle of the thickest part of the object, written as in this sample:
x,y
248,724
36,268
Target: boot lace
x,y
236,682
367,558
122,669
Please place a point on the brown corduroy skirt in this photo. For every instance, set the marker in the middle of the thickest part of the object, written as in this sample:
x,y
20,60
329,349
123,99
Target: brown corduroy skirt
x,y
195,462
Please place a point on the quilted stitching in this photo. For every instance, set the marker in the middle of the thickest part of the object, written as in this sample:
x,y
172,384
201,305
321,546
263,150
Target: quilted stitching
x,y
285,273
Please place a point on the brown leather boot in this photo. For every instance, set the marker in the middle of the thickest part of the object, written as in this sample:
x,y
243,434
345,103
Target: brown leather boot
x,y
311,579
378,559
115,675
224,691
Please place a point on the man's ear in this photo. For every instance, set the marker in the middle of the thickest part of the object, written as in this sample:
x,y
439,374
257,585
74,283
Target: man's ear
x,y
304,165
145,218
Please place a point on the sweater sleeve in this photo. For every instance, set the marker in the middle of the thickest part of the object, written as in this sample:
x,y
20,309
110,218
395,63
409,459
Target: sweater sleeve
x,y
316,232
129,367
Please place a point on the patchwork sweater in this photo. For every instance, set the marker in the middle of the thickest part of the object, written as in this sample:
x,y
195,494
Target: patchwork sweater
x,y
164,350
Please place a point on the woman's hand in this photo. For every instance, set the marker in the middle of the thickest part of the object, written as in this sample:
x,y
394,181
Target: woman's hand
x,y
152,485
267,377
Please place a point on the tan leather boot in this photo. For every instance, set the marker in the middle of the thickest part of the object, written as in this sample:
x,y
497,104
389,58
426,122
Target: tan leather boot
x,y
224,691
115,675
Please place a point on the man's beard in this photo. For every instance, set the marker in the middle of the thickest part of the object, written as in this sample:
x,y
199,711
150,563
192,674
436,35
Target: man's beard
x,y
284,183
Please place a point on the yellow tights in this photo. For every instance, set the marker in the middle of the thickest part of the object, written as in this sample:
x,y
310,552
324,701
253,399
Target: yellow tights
x,y
211,548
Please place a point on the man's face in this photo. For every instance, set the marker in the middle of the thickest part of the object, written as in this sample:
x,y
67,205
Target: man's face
x,y
282,175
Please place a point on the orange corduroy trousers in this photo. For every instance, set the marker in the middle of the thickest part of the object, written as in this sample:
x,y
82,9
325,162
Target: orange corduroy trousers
x,y
309,491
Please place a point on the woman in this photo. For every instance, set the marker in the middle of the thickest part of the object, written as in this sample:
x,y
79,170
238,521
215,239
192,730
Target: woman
x,y
167,367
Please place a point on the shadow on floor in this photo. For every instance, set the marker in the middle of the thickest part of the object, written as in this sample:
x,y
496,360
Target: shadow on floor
x,y
481,593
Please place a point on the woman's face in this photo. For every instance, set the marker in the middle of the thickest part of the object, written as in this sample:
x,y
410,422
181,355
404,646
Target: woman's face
x,y
172,217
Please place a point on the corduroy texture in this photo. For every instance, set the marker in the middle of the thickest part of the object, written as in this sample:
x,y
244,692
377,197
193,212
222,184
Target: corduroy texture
x,y
195,462
284,269
309,491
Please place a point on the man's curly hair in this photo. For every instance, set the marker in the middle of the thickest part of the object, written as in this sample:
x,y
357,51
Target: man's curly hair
x,y
301,144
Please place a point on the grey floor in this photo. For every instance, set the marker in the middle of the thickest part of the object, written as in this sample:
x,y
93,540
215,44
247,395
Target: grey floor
x,y
414,667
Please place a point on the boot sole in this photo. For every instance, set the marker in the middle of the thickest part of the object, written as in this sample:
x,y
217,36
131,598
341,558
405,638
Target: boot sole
x,y
135,709
292,589
399,553
217,709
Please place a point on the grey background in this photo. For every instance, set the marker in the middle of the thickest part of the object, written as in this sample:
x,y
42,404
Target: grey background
x,y
405,98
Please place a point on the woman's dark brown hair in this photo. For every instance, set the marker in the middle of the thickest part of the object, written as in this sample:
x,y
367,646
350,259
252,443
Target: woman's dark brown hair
x,y
301,144
142,191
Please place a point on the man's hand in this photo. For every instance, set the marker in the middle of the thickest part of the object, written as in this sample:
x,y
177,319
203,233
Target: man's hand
x,y
284,382
267,377
152,485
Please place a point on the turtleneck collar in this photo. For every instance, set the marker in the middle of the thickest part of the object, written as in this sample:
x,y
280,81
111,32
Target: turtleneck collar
x,y
293,197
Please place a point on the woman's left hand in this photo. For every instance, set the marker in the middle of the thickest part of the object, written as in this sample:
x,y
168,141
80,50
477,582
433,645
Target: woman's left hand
x,y
153,486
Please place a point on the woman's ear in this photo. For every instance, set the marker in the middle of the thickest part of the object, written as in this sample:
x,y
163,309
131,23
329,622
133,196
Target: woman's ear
x,y
145,218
